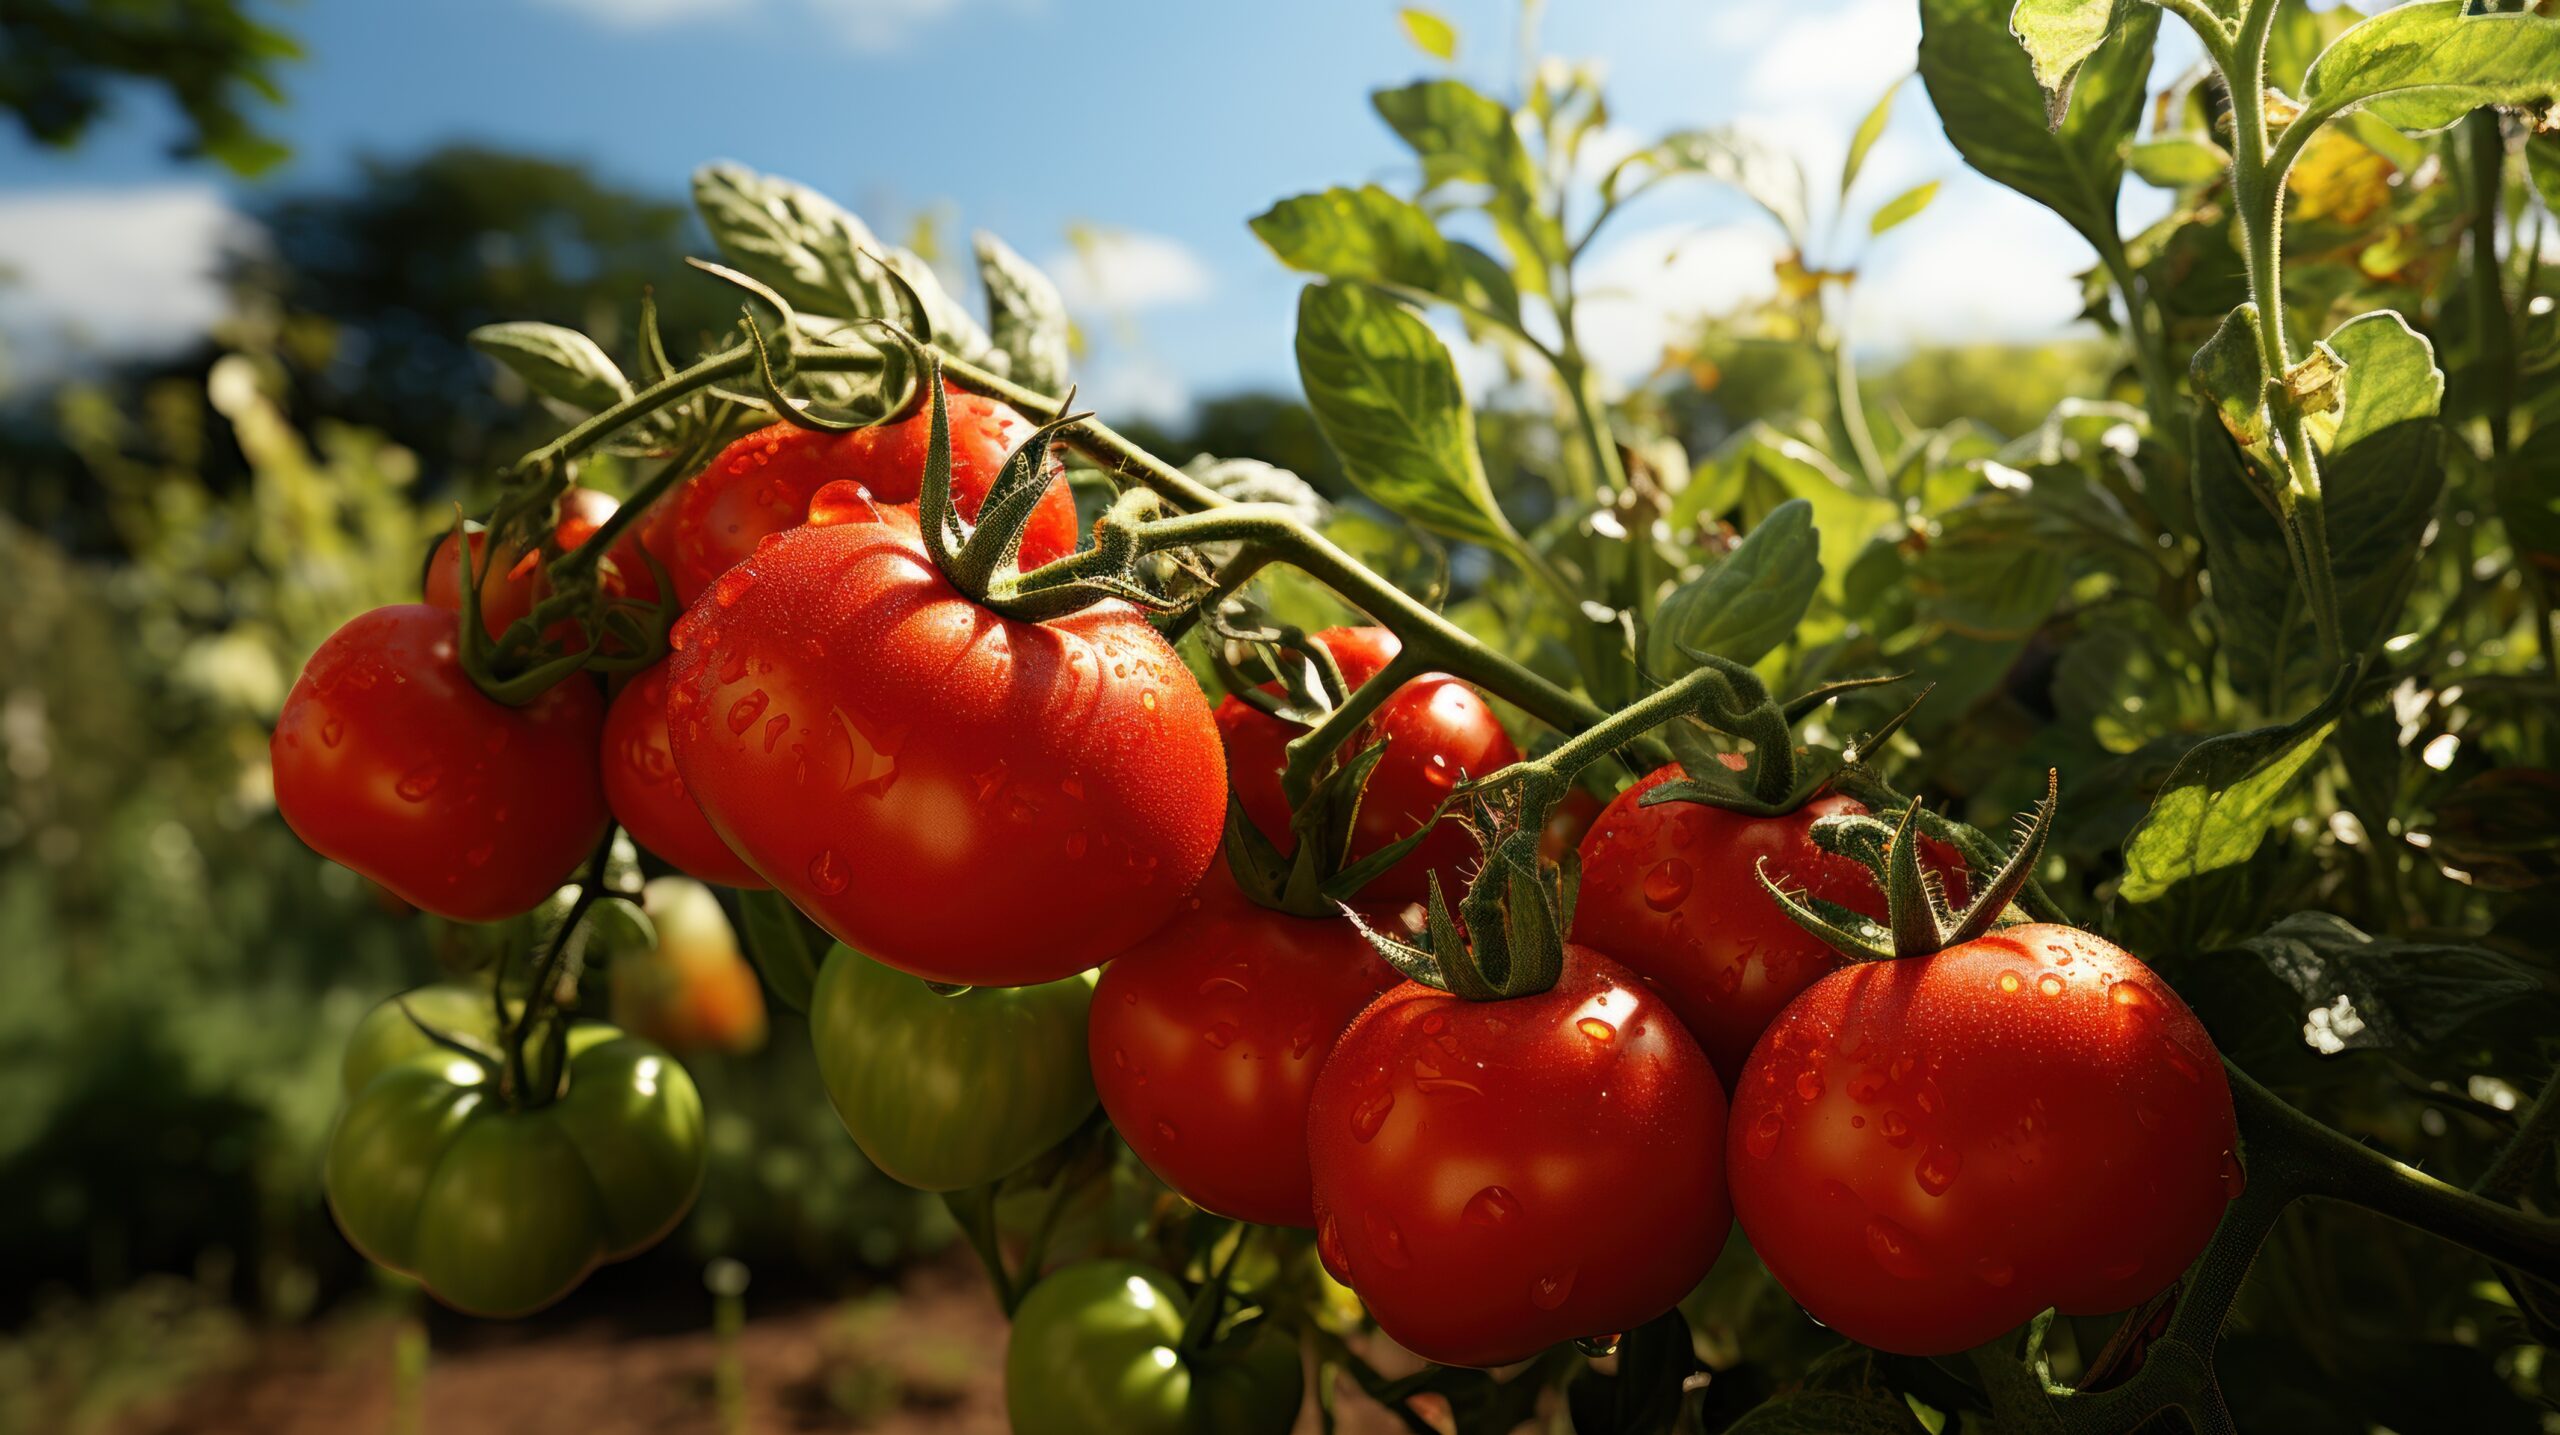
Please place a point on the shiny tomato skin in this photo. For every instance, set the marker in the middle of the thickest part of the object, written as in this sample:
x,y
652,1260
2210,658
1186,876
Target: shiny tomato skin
x,y
1437,730
1207,1038
509,589
1673,890
966,797
762,484
389,761
1926,1153
647,794
1495,1177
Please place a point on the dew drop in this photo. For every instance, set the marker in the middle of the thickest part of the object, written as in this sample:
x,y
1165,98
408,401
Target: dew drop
x,y
746,710
1667,885
2133,998
2235,1177
1895,1250
1491,1206
1386,1239
1866,1086
1763,1139
2010,982
1077,843
828,872
1598,1347
1166,1134
1549,1292
333,731
1220,1035
1809,1085
774,728
1371,1112
420,782
1147,700
1329,1245
1223,986
1596,1029
1897,1128
1937,1170
2051,985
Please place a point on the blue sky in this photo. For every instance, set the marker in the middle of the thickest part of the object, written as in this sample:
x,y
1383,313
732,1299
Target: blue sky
x,y
1167,123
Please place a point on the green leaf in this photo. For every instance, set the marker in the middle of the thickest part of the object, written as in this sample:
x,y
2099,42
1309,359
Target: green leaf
x,y
2060,36
2542,161
1372,235
1766,468
2222,797
556,363
1464,136
1870,130
1767,176
2528,494
2230,373
1026,319
1747,602
2362,991
772,931
823,260
1903,206
2178,161
1429,33
1985,90
2423,66
1385,392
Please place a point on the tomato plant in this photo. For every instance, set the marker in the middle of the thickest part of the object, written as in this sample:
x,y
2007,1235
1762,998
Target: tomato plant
x,y
647,794
691,989
1100,1346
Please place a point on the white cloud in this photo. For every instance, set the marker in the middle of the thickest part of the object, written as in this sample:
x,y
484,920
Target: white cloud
x,y
1981,263
122,271
1649,288
868,26
1122,271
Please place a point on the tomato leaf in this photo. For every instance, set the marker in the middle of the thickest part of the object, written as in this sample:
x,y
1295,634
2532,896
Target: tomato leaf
x,y
771,928
2178,161
1026,318
2060,36
1369,234
1746,602
2362,991
1385,392
1464,136
1995,113
1870,130
2222,797
2230,373
1429,33
556,363
1762,468
2421,67
1903,207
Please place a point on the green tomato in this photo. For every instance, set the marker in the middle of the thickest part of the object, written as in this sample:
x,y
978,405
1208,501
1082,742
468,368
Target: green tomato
x,y
500,1212
1096,1348
948,1092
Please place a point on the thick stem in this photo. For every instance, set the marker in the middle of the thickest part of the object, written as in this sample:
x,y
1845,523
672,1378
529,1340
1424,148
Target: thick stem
x,y
546,977
1851,407
1311,750
2528,1152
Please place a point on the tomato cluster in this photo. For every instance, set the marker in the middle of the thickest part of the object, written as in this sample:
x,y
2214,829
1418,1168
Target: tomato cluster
x,y
1012,825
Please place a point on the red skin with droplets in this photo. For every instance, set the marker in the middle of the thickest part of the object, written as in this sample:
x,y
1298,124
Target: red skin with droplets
x,y
966,797
647,794
1926,1153
387,760
1673,891
1495,1177
1437,731
1207,1038
762,484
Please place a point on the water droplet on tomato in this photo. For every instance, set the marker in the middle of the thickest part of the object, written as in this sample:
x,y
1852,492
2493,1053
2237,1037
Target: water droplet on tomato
x,y
828,872
1072,786
1491,1206
1763,1137
732,586
774,728
1371,1112
1895,1250
1667,885
419,783
1147,700
333,731
1598,1347
746,710
1166,1134
1937,1170
1809,1085
1386,1239
1220,1035
2179,1058
1077,843
479,856
2235,1177
1897,1128
1596,1029
1866,1086
1549,1292
2009,982
2133,998
1223,986
2051,985
1329,1245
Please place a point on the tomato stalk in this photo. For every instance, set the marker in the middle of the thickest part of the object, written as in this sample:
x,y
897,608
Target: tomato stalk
x,y
561,958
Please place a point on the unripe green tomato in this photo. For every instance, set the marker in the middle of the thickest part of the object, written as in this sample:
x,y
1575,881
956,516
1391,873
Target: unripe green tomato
x,y
498,1211
1096,1351
947,1092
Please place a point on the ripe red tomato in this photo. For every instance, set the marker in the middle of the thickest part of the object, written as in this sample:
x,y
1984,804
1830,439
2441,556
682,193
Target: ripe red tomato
x,y
1495,1177
514,581
389,761
762,484
966,797
1927,1152
1206,1041
1437,731
1673,890
646,793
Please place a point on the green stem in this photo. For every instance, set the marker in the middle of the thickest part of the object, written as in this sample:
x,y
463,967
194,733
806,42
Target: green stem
x,y
1310,751
974,1210
2159,390
555,959
1093,438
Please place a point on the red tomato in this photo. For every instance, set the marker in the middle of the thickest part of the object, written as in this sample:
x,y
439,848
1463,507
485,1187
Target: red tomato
x,y
1206,1041
647,795
1928,1152
389,761
1673,890
1437,730
1495,1177
963,796
762,484
509,590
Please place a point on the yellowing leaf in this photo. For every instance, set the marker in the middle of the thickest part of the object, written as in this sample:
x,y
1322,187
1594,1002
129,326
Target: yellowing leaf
x,y
1429,33
2339,180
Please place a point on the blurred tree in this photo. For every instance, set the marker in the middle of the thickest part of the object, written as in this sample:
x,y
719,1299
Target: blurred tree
x,y
61,60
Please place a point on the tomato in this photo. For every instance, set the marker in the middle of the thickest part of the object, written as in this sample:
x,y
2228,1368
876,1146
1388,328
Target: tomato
x,y
947,1092
762,484
1567,823
647,794
387,760
694,991
514,581
967,797
1097,1347
1437,730
500,1211
1207,1038
1927,1152
1673,890
1495,1177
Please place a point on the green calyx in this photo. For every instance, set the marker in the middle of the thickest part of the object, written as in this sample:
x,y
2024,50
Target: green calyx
x,y
619,635
1777,777
1507,939
1919,921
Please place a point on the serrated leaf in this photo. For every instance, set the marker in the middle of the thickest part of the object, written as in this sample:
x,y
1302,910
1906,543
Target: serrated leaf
x,y
1870,130
2059,37
1429,33
770,928
1026,318
2365,991
2221,798
1902,207
1984,87
2421,67
1747,602
2178,161
1765,468
1385,391
556,363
